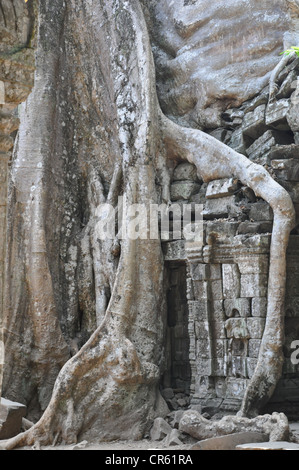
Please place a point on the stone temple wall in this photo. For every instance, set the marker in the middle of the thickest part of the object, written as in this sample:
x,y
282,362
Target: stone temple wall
x,y
226,280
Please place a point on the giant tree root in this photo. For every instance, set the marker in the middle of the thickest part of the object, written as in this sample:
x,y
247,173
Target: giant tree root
x,y
275,426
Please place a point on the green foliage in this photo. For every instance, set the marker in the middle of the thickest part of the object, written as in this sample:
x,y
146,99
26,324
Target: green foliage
x,y
291,50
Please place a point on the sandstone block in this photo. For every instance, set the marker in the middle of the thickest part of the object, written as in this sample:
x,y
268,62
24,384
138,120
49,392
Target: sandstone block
x,y
254,122
276,114
231,281
11,414
160,429
221,188
185,171
183,190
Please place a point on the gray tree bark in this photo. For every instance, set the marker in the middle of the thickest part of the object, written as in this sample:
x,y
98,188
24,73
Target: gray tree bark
x,y
92,130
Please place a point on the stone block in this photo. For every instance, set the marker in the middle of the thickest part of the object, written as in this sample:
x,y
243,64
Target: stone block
x,y
216,290
254,347
215,271
286,169
204,366
220,230
231,281
238,347
204,348
202,329
184,172
259,307
220,387
218,330
219,367
200,289
238,367
199,271
260,150
253,264
251,366
11,414
237,307
280,152
261,211
183,190
235,387
174,251
221,346
254,122
254,285
230,441
248,227
239,142
218,208
160,429
288,85
237,328
276,114
256,327
222,188
218,310
198,310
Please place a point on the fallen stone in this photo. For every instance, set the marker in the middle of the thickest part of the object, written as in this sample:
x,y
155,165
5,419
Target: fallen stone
x,y
173,438
230,441
11,414
280,445
167,393
80,445
222,188
175,417
160,430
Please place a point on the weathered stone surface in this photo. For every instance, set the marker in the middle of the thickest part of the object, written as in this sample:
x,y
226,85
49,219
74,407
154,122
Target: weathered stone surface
x,y
231,281
221,188
276,114
183,190
216,208
11,414
237,307
254,122
260,211
286,169
261,150
185,171
259,306
160,429
230,441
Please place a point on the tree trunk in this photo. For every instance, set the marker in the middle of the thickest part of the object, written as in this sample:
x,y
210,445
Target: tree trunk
x,y
93,130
